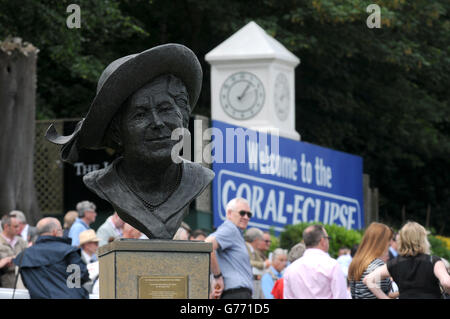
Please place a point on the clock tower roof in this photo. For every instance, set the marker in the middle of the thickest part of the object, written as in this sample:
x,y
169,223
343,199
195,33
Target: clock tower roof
x,y
251,42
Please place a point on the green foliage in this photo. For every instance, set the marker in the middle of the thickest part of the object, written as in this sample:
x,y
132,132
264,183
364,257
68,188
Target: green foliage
x,y
70,60
378,93
275,243
340,237
369,92
274,240
438,247
292,235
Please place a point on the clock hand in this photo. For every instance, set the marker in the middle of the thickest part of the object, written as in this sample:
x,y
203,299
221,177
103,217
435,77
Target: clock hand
x,y
247,93
243,93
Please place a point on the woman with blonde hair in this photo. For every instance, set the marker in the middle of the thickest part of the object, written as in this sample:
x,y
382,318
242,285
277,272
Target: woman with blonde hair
x,y
372,253
416,273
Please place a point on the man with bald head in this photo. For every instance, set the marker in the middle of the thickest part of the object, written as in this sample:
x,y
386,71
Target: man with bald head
x,y
52,267
130,232
315,275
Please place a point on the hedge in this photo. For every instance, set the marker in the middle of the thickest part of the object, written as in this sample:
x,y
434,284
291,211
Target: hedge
x,y
439,247
340,237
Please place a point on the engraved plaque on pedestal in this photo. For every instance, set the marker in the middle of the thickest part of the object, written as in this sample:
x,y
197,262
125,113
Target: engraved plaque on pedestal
x,y
162,287
144,269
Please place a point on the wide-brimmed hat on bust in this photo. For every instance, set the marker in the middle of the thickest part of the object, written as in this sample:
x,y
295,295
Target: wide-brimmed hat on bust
x,y
118,81
88,236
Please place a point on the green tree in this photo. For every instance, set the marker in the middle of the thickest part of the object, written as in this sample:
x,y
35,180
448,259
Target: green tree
x,y
70,60
378,93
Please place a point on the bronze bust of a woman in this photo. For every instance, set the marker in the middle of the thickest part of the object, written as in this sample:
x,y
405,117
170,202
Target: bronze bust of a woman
x,y
141,99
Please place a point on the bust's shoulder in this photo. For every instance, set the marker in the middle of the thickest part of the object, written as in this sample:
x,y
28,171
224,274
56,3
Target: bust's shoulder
x,y
92,177
193,169
193,165
103,179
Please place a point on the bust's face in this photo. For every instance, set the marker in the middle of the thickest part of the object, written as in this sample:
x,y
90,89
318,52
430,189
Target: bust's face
x,y
148,120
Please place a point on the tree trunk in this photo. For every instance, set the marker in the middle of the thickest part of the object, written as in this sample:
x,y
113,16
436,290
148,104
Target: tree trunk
x,y
17,127
403,214
428,218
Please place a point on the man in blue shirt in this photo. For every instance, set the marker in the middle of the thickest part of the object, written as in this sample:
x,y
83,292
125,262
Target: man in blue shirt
x,y
86,216
275,272
230,262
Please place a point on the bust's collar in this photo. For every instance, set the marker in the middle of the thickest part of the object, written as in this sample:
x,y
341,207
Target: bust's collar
x,y
162,222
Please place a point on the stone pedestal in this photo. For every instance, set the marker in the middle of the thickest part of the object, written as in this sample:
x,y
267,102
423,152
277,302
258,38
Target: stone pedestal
x,y
152,269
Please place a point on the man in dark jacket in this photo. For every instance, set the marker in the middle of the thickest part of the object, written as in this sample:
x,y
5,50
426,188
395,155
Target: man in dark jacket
x,y
52,267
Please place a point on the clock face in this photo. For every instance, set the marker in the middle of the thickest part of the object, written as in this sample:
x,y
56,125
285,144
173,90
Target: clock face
x,y
242,95
282,96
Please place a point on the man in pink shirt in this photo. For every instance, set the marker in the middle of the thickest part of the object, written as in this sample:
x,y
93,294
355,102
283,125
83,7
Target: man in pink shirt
x,y
315,275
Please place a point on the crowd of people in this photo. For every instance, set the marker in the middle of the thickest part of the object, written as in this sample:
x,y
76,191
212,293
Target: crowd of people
x,y
383,265
52,261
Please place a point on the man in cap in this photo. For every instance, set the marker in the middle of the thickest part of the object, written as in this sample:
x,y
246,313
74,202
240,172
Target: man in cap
x,y
52,268
89,245
142,101
86,216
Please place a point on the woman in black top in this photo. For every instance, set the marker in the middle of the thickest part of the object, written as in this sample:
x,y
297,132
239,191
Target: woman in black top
x,y
416,273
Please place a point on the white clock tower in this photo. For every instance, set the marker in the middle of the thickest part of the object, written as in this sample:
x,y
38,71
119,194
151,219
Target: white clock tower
x,y
252,82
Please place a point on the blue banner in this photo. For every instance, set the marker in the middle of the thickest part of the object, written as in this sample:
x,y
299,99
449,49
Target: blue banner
x,y
285,181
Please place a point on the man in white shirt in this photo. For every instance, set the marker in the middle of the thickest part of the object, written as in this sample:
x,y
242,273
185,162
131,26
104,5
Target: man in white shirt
x,y
111,229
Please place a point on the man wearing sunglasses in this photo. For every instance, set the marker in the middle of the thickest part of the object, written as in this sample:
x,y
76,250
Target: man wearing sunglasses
x,y
230,262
